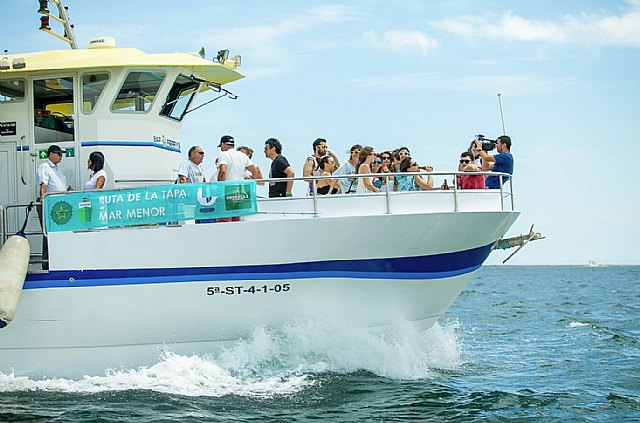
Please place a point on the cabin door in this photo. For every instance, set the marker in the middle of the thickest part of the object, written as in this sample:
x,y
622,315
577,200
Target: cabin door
x,y
7,173
54,122
8,179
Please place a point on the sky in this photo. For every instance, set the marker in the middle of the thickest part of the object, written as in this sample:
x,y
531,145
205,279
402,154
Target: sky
x,y
422,74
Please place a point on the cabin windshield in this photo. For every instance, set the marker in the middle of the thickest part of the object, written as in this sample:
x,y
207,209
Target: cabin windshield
x,y
92,87
180,97
12,90
138,92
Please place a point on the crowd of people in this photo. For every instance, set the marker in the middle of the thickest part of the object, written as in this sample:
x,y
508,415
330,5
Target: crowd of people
x,y
236,164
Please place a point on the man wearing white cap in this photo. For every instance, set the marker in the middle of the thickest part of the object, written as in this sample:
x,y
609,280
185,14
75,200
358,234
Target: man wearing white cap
x,y
50,179
232,163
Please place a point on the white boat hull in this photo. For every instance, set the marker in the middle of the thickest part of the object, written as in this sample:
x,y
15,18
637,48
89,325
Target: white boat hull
x,y
89,314
125,327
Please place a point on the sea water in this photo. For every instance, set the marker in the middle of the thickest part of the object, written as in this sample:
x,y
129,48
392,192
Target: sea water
x,y
523,343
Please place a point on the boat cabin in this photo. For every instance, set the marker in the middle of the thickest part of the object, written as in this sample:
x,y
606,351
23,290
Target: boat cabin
x,y
123,102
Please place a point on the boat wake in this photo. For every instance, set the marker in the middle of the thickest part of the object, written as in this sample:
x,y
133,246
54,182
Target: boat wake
x,y
276,362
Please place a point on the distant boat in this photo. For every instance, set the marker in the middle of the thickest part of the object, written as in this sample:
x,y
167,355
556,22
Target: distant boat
x,y
592,263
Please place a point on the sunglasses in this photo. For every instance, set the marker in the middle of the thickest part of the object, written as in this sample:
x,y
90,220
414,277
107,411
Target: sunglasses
x,y
465,161
59,153
402,153
377,162
201,153
386,158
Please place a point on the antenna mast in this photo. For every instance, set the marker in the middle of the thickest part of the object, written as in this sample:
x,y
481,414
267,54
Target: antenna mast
x,y
63,18
504,130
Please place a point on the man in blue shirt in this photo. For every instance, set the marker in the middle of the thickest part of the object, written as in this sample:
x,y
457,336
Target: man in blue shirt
x,y
501,162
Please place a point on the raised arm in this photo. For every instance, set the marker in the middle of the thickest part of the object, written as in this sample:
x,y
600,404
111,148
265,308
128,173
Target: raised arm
x,y
425,185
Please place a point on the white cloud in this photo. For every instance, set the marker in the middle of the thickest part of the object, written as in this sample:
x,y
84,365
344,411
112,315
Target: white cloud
x,y
585,28
270,44
334,13
395,39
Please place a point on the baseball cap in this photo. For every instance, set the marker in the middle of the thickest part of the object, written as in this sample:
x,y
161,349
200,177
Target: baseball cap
x,y
227,139
54,149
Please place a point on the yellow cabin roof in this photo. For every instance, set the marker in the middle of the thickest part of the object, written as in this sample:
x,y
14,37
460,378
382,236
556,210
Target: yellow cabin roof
x,y
65,60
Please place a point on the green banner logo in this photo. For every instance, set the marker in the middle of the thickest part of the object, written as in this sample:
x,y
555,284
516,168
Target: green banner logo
x,y
237,197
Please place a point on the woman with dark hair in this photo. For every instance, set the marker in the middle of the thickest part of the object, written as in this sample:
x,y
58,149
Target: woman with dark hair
x,y
412,182
349,167
474,152
366,158
327,186
98,178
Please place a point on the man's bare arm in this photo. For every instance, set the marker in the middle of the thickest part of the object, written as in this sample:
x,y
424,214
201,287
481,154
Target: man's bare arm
x,y
222,172
290,174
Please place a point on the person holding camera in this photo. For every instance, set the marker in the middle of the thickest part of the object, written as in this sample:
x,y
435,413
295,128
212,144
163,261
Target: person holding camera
x,y
501,162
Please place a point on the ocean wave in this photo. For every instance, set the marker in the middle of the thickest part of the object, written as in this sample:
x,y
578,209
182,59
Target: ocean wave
x,y
277,362
578,325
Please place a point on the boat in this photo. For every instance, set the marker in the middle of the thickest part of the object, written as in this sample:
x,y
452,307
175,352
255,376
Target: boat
x,y
593,263
120,292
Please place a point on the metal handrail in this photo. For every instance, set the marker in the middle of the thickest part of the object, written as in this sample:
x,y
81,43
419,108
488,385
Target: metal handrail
x,y
5,222
389,178
2,230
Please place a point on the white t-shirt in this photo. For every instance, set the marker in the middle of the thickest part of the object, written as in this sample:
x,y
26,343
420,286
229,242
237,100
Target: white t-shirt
x,y
236,162
49,175
191,171
93,180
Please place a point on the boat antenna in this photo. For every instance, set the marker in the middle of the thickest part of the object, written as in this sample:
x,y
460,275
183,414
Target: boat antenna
x,y
504,129
62,17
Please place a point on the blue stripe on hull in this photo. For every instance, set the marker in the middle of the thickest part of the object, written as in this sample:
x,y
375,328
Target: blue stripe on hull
x,y
129,144
423,267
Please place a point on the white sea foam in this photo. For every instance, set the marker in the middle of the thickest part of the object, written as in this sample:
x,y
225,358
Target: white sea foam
x,y
277,362
577,325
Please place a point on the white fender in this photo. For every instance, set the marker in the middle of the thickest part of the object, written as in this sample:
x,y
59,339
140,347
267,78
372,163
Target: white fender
x,y
14,263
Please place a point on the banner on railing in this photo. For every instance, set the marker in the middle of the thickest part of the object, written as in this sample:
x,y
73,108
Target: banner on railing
x,y
151,205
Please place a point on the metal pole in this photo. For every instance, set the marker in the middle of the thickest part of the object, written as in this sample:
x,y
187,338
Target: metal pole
x,y
455,192
501,193
504,129
513,206
68,28
388,195
315,197
2,229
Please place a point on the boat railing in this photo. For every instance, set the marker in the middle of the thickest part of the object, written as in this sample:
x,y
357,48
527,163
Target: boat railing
x,y
505,183
1,226
9,213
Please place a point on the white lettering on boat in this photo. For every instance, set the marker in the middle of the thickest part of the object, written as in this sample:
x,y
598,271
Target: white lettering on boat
x,y
141,213
112,199
174,193
112,215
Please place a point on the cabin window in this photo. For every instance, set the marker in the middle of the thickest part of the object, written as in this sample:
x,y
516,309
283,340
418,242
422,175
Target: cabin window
x,y
138,92
12,90
92,87
180,97
53,110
